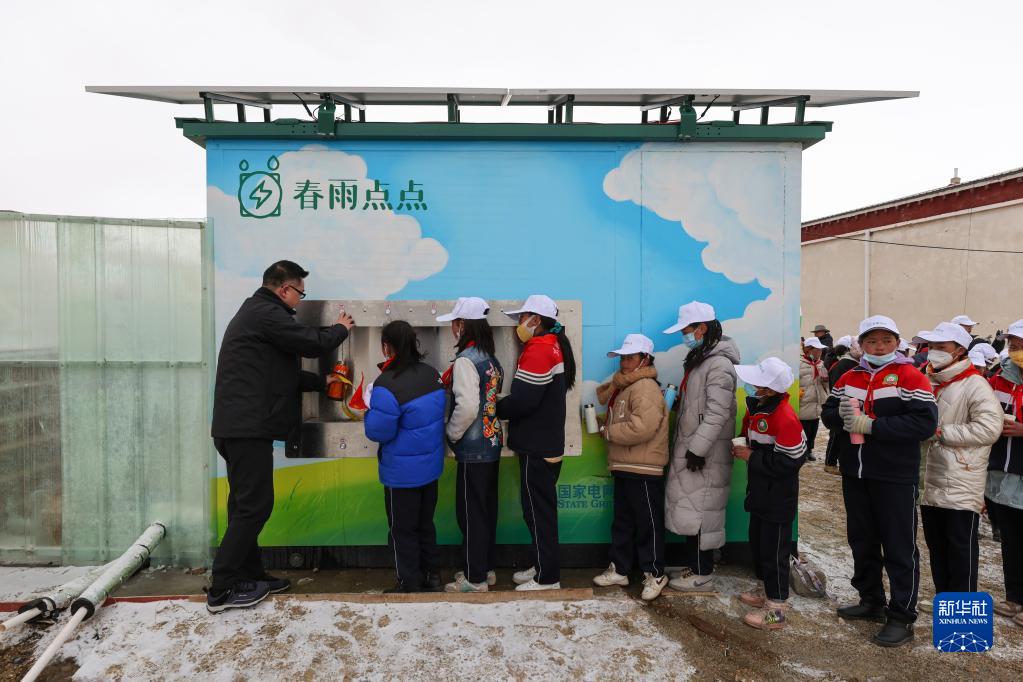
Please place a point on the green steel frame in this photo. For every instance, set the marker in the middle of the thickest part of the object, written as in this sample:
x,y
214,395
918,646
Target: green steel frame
x,y
687,129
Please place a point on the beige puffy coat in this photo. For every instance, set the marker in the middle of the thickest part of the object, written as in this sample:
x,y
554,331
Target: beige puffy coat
x,y
970,420
695,501
813,391
637,423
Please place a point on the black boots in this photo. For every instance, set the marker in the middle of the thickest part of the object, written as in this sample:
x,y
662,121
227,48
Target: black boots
x,y
863,611
894,633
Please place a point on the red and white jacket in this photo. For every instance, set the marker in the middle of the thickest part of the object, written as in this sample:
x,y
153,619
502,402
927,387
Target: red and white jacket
x,y
1007,453
899,399
535,405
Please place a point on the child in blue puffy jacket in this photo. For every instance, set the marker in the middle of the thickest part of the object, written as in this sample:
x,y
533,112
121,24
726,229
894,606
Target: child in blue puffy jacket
x,y
406,417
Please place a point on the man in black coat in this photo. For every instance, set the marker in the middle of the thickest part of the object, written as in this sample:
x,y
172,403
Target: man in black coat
x,y
257,400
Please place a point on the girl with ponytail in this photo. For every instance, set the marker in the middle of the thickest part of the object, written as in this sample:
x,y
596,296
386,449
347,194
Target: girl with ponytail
x,y
535,408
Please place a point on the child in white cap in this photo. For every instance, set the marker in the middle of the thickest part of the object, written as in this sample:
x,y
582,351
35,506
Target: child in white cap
x,y
536,410
474,433
636,430
1004,487
882,411
969,422
775,452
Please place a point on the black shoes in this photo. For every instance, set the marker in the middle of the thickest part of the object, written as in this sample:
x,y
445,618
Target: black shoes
x,y
863,611
276,585
432,582
241,595
894,634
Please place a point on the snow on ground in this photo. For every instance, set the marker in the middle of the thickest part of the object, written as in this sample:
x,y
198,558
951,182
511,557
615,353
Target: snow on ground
x,y
288,639
20,583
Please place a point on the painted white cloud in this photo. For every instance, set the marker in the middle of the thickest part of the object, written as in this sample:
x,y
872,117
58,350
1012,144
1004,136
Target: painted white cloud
x,y
349,253
735,204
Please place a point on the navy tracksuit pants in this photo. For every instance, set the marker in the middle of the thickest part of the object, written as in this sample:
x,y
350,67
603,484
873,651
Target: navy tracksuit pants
x,y
881,527
638,526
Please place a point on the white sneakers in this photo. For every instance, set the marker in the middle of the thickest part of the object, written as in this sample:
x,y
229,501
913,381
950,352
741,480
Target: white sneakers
x,y
491,577
652,586
611,577
687,581
522,577
463,585
526,583
533,586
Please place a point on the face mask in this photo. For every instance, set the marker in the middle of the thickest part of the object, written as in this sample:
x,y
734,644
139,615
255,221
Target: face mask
x,y
524,332
641,363
691,341
939,359
751,390
1017,357
879,360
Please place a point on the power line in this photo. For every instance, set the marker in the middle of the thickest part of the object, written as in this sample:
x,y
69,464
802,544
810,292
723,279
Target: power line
x,y
925,246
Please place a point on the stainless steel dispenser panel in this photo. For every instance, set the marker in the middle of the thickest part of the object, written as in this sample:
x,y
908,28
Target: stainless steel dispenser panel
x,y
326,431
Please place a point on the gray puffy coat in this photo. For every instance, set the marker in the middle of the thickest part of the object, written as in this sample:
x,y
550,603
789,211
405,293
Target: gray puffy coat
x,y
695,500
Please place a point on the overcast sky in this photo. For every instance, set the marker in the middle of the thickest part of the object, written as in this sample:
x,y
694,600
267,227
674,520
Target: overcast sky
x,y
68,152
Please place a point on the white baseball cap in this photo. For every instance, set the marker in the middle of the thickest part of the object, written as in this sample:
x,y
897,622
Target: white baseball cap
x,y
964,319
1015,329
692,313
876,322
634,343
846,341
467,308
903,346
814,342
771,373
538,304
944,332
982,354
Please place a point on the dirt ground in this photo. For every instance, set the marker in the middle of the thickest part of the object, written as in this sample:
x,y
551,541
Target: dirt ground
x,y
817,644
609,635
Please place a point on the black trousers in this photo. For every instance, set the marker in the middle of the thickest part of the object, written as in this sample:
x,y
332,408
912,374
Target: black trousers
x,y
771,545
638,526
881,528
538,490
701,561
810,428
476,511
831,454
412,536
1010,523
992,513
954,546
250,501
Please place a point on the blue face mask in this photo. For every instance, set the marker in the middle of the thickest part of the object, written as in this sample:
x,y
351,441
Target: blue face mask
x,y
751,390
691,341
878,360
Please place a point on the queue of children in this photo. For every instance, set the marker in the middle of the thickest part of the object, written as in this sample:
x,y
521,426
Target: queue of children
x,y
879,407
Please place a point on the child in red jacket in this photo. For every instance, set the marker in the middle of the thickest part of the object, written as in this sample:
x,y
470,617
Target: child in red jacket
x,y
776,450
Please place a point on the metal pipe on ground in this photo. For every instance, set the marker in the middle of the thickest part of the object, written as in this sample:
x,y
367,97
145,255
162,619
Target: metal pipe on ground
x,y
91,599
57,600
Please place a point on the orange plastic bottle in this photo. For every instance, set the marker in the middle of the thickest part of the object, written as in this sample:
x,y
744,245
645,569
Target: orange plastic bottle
x,y
336,390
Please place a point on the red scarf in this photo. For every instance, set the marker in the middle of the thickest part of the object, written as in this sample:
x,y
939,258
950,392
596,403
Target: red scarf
x,y
969,371
446,377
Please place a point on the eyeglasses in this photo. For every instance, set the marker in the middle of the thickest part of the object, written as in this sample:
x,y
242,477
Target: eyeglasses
x,y
301,294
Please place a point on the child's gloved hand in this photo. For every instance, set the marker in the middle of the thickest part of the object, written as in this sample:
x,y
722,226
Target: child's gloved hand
x,y
695,462
859,424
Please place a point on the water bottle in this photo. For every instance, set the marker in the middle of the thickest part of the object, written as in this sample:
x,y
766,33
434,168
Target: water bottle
x,y
670,393
590,414
855,438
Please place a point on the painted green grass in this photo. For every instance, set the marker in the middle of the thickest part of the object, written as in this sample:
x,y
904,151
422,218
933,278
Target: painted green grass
x,y
341,502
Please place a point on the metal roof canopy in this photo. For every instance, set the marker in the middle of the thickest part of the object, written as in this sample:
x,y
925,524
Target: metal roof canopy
x,y
560,104
187,94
